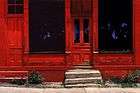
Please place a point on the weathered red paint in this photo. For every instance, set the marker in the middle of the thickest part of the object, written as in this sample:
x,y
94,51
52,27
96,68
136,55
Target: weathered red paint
x,y
14,47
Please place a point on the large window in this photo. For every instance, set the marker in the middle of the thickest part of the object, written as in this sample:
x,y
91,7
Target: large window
x,y
15,6
47,26
115,25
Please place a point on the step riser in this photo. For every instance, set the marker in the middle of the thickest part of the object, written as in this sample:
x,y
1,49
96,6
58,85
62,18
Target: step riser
x,y
83,67
71,76
94,81
83,85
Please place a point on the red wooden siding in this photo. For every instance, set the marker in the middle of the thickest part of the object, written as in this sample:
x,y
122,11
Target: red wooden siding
x,y
137,30
3,35
15,42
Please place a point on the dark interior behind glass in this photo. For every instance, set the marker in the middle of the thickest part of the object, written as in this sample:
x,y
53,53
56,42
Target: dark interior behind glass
x,y
47,26
115,25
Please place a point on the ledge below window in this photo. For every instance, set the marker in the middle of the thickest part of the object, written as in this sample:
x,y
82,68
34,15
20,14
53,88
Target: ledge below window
x,y
48,52
15,15
116,51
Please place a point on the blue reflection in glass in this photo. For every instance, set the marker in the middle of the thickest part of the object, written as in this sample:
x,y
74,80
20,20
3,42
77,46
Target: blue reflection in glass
x,y
114,35
121,33
76,31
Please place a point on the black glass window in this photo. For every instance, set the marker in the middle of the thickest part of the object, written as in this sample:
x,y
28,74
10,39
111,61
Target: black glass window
x,y
115,25
15,6
77,31
15,1
47,26
86,30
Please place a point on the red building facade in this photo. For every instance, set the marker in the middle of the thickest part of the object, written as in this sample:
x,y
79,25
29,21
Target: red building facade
x,y
83,37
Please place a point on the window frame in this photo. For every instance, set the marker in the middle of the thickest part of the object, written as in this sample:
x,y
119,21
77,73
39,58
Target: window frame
x,y
81,23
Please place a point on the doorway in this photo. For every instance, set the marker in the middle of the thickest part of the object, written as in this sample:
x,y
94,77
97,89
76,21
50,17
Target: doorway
x,y
81,17
81,42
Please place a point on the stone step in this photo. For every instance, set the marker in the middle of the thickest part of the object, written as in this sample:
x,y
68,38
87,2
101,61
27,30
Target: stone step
x,y
82,71
86,75
82,85
94,80
82,74
82,78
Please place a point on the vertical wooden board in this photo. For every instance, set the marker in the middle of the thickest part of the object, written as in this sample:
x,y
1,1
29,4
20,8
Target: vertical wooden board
x,y
67,25
3,34
19,29
3,42
26,27
15,30
136,7
95,25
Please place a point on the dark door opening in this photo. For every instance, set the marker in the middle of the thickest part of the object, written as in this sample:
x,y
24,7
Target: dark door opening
x,y
47,26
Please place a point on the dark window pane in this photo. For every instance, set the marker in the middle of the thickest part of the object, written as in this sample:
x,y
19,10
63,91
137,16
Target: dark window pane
x,y
19,9
47,26
11,9
86,30
19,1
76,31
15,9
115,25
15,1
11,2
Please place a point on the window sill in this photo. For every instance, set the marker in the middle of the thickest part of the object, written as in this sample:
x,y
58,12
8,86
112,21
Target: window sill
x,y
116,52
15,15
49,52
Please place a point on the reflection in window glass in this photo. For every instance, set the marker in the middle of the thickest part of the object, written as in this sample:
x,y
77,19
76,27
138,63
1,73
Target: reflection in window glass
x,y
76,31
86,30
115,25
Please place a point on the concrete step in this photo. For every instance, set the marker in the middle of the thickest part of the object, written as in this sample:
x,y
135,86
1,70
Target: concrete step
x,y
82,78
82,85
82,74
86,75
82,71
94,80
